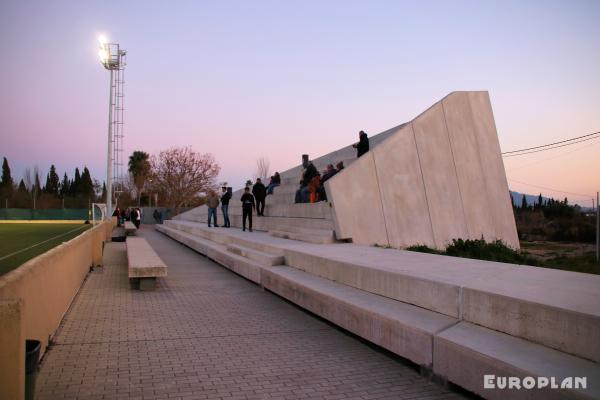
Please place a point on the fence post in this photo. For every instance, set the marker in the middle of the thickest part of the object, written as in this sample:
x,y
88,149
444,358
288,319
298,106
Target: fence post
x,y
597,227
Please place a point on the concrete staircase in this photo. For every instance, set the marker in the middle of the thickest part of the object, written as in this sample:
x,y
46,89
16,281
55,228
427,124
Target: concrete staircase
x,y
458,319
283,218
311,223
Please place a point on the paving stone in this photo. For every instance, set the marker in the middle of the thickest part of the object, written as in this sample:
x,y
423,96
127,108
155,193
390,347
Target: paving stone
x,y
206,333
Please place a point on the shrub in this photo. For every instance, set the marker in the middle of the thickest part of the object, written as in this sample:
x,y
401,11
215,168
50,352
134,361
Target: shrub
x,y
421,248
479,249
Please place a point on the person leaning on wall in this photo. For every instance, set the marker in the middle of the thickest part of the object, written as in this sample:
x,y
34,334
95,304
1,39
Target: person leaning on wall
x,y
363,144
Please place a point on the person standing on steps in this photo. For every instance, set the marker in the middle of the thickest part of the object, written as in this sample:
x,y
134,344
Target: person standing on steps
x,y
247,206
260,193
363,144
212,201
225,197
137,215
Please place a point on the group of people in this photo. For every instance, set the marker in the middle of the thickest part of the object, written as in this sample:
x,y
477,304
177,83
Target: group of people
x,y
311,185
129,214
312,189
251,202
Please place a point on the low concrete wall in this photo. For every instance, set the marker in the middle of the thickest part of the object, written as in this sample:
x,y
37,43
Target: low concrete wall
x,y
35,297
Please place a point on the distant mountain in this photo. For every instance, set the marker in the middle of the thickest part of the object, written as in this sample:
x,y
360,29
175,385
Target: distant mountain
x,y
532,199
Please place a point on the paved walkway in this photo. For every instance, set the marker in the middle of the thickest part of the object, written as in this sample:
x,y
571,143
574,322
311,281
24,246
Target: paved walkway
x,y
207,333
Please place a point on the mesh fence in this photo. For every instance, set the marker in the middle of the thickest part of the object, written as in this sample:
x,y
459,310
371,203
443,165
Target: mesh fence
x,y
52,214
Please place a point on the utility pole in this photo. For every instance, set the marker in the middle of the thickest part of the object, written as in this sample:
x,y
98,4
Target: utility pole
x,y
597,227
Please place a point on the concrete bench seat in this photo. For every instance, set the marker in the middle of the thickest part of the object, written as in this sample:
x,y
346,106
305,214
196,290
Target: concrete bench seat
x,y
239,264
129,227
260,257
316,236
118,234
144,264
402,328
466,352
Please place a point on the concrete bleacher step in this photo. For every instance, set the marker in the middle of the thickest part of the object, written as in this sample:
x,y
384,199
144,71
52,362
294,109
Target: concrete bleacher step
x,y
562,315
283,198
285,189
222,236
260,257
401,328
275,223
310,236
243,266
320,210
465,352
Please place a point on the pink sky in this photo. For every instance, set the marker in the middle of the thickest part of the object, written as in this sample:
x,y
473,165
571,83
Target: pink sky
x,y
245,80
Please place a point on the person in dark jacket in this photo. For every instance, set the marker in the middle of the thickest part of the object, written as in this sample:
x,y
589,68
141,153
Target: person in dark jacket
x,y
247,206
260,193
275,181
363,144
329,172
309,173
225,197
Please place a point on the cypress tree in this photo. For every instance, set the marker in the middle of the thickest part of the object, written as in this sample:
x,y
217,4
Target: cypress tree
x,y
6,183
524,203
103,199
76,184
22,187
65,186
52,181
86,185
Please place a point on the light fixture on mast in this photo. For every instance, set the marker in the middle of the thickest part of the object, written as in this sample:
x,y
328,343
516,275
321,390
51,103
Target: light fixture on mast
x,y
112,58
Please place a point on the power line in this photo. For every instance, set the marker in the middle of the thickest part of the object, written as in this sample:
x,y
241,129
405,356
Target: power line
x,y
552,144
587,196
548,148
552,158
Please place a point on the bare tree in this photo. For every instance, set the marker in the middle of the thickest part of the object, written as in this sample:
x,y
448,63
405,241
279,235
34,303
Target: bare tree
x,y
179,174
263,167
27,178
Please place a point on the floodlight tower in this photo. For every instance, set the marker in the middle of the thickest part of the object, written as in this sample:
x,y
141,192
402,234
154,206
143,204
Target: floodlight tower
x,y
113,58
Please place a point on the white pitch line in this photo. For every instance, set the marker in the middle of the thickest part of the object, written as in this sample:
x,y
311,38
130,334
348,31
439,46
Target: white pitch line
x,y
37,244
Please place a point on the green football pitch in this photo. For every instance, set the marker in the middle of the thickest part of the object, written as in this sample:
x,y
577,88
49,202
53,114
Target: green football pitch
x,y
21,242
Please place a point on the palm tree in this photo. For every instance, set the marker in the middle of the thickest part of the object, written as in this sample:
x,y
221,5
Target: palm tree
x,y
139,168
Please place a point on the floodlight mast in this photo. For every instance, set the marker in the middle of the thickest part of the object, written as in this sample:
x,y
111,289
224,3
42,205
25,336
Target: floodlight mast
x,y
113,59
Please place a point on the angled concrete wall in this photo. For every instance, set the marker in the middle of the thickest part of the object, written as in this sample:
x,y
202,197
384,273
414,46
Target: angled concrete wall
x,y
439,177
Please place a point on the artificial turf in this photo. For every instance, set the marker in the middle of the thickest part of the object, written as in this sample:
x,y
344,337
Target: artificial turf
x,y
42,236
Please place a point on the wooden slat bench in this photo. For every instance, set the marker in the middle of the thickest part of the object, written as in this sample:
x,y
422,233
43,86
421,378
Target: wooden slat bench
x,y
129,228
144,264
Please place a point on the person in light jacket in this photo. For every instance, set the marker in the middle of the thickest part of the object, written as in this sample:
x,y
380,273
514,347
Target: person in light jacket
x,y
212,201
